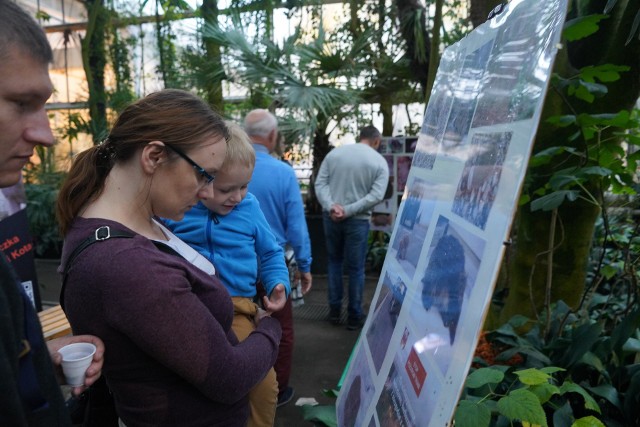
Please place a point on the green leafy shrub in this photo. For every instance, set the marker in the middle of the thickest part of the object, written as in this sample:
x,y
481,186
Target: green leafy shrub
x,y
578,374
42,182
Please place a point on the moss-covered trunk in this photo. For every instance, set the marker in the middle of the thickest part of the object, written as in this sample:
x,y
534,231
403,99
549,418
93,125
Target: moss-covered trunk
x,y
528,274
214,86
94,60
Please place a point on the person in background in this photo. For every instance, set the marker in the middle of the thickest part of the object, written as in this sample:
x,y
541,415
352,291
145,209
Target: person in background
x,y
230,230
156,303
351,180
29,391
275,185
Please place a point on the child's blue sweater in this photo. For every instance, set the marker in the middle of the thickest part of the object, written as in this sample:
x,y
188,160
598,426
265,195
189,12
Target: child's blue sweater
x,y
240,245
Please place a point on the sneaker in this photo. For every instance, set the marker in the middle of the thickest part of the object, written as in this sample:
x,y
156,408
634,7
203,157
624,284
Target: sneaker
x,y
355,324
334,316
285,396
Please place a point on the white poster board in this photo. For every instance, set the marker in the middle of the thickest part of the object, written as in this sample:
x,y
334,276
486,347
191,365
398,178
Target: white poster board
x,y
410,363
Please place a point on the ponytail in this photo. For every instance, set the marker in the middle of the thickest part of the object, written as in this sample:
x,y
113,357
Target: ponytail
x,y
84,183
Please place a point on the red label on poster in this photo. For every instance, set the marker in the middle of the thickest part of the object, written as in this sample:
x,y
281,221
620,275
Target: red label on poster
x,y
416,372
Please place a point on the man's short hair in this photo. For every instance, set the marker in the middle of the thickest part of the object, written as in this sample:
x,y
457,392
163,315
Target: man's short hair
x,y
370,133
18,29
260,122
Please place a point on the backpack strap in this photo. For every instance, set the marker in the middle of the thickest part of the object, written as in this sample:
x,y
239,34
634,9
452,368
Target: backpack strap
x,y
101,234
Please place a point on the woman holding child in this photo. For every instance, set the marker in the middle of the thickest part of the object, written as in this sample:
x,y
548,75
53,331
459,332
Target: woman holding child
x,y
172,358
230,230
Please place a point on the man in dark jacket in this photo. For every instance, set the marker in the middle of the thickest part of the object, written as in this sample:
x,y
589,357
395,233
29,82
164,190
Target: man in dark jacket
x,y
29,392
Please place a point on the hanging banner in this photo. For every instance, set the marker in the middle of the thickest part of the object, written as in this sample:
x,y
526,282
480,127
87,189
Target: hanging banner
x,y
410,364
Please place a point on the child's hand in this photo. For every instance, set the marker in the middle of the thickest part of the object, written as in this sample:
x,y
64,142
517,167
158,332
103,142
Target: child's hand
x,y
276,300
261,314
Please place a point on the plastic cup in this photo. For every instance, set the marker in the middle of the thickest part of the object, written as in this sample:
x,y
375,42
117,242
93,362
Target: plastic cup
x,y
76,359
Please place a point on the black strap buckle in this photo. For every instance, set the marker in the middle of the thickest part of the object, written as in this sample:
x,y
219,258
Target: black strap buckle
x,y
103,233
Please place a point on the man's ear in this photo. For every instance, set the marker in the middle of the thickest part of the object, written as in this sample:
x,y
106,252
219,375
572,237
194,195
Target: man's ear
x,y
273,140
153,154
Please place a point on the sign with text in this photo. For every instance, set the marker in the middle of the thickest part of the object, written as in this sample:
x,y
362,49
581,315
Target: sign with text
x,y
461,193
15,239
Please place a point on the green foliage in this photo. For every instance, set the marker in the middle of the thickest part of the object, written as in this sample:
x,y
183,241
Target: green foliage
x,y
324,414
582,27
378,244
42,182
576,371
119,48
615,267
596,162
602,164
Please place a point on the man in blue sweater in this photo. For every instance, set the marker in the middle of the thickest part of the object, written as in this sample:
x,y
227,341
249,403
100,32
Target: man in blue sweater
x,y
275,185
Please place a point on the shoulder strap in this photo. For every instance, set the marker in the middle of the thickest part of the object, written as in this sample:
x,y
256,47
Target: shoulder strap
x,y
101,234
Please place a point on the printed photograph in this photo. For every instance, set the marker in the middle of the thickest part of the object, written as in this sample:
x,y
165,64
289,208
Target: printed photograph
x,y
404,166
410,145
478,185
426,152
385,317
393,408
384,146
358,392
396,145
414,218
510,88
410,394
445,287
465,97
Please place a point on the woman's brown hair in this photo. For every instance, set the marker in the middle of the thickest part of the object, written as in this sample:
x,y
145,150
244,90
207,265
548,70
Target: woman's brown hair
x,y
175,117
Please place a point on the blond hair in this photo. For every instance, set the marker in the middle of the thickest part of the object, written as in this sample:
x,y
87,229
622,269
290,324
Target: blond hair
x,y
239,149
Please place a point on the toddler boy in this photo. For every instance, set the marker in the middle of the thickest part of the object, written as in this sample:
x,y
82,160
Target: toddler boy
x,y
231,231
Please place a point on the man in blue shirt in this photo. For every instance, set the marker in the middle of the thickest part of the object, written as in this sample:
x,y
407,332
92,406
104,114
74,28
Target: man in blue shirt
x,y
275,185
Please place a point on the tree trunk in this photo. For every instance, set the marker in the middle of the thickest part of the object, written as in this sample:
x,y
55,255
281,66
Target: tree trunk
x,y
321,148
94,59
213,89
413,27
528,268
479,10
434,54
386,109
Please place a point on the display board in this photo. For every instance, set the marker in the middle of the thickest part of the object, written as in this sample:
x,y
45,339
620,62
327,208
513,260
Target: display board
x,y
410,363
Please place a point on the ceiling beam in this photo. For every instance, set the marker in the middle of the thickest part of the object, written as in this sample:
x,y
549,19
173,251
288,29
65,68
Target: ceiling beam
x,y
123,22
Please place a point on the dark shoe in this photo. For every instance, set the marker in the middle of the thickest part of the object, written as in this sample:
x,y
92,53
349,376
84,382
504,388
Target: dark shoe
x,y
285,396
355,324
334,316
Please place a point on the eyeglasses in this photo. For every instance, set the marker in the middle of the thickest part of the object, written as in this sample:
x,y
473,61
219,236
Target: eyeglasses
x,y
204,175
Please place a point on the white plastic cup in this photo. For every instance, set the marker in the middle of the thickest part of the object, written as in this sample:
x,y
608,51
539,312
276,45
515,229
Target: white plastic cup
x,y
76,359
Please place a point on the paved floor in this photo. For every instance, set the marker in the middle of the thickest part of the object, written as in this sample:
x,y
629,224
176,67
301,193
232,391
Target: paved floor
x,y
321,349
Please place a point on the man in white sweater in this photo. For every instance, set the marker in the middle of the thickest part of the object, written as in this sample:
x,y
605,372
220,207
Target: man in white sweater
x,y
352,179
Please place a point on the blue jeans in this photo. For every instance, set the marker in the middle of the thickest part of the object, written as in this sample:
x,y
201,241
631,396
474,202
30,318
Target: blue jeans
x,y
346,244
